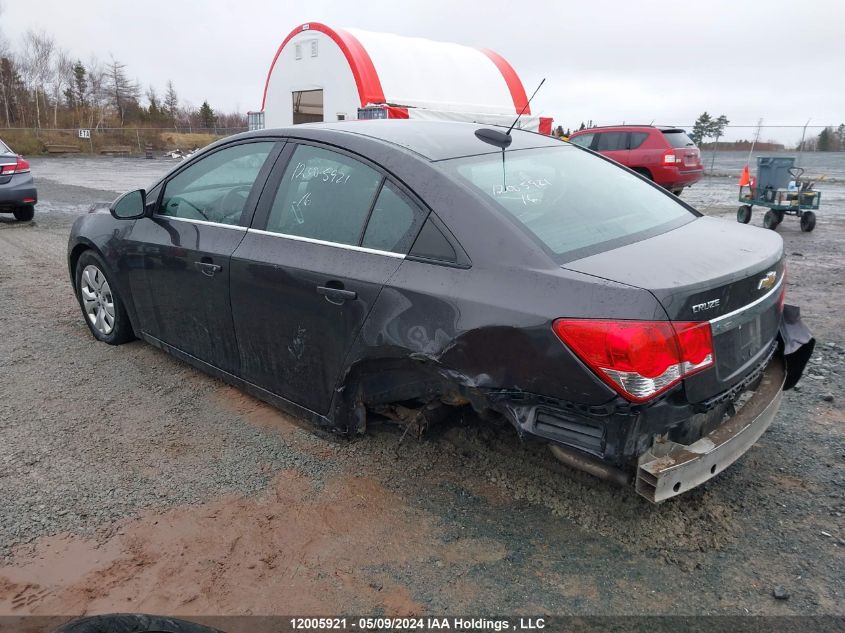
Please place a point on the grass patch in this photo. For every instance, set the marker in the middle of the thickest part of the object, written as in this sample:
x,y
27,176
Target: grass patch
x,y
29,142
178,140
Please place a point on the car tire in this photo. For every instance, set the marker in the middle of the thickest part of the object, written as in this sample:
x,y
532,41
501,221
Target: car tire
x,y
771,220
102,306
743,214
132,623
808,221
24,213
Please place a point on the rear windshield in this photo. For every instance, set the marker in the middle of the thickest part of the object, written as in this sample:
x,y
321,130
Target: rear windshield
x,y
4,149
571,201
678,138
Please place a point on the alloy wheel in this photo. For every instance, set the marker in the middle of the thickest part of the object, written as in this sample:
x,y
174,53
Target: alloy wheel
x,y
97,299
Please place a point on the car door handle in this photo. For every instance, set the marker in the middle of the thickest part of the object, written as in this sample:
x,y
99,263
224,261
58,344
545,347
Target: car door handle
x,y
208,268
336,295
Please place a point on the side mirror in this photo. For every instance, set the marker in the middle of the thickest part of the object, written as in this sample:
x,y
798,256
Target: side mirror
x,y
130,206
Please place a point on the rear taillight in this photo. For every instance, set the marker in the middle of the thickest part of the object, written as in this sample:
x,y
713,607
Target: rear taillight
x,y
21,166
639,359
669,158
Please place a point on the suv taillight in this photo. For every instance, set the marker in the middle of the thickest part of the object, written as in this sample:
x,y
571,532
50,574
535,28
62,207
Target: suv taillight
x,y
20,167
669,158
639,359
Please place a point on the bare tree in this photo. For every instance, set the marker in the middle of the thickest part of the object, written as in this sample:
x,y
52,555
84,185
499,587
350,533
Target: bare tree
x,y
98,96
5,55
36,63
123,91
62,77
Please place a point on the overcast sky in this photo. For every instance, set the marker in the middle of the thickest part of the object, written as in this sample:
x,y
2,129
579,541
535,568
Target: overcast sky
x,y
609,61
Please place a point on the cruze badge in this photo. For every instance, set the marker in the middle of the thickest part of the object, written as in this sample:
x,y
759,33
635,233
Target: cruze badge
x,y
707,305
768,281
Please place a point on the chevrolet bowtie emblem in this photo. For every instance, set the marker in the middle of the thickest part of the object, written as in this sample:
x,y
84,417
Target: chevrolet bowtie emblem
x,y
768,281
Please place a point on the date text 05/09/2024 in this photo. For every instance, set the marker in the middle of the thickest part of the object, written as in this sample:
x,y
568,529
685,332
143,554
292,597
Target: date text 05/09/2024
x,y
479,625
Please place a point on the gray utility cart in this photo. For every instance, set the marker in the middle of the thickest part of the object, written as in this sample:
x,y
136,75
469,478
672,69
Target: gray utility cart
x,y
781,189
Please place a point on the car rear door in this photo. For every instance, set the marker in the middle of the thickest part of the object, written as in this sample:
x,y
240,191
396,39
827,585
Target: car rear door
x,y
330,230
614,145
180,279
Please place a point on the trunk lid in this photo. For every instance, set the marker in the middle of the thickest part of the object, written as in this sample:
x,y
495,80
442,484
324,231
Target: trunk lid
x,y
690,157
686,153
708,270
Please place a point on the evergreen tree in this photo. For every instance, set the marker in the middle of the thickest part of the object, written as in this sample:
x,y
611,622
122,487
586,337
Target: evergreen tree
x,y
206,115
826,141
171,101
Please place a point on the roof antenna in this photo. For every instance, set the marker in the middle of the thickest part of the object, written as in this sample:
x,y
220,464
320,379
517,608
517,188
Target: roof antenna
x,y
503,139
525,107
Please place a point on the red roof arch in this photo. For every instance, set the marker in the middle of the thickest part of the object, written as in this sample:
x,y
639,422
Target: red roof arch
x,y
366,77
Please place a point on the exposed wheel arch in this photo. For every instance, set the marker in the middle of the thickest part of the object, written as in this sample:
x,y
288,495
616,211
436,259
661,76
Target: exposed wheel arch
x,y
372,384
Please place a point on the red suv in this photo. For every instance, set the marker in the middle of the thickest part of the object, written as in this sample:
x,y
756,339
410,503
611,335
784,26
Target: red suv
x,y
665,155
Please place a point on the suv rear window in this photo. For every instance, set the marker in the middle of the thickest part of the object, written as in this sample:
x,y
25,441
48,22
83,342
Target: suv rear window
x,y
572,202
678,138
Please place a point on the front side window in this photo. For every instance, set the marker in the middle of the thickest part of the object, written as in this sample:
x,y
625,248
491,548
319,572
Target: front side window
x,y
324,196
216,187
572,202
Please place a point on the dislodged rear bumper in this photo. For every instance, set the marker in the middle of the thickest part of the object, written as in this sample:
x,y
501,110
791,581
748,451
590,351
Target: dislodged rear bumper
x,y
668,469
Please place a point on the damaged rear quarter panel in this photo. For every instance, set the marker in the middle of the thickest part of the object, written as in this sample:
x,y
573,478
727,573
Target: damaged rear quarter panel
x,y
481,333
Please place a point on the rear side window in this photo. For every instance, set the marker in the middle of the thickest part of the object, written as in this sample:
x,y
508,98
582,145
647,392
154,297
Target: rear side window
x,y
612,141
394,222
583,140
678,139
324,196
432,244
571,202
637,139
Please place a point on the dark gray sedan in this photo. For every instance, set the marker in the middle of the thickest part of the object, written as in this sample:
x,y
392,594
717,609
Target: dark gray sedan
x,y
400,268
17,191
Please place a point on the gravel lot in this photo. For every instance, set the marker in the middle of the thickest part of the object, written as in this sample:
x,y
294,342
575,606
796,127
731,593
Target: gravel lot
x,y
129,481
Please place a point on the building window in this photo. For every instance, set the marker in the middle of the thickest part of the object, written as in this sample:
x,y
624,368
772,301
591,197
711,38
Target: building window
x,y
298,49
313,48
341,116
255,120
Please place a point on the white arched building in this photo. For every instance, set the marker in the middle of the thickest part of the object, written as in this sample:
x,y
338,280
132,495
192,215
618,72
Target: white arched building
x,y
325,74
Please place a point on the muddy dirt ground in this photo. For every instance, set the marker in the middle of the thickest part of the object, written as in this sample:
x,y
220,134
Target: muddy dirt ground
x,y
131,482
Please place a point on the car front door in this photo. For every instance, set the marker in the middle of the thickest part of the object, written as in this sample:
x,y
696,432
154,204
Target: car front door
x,y
181,287
330,230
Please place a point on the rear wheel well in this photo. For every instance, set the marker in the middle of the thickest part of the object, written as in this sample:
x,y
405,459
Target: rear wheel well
x,y
642,171
401,389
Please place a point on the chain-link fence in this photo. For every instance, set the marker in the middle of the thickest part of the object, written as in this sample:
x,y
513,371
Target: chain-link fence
x,y
124,140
